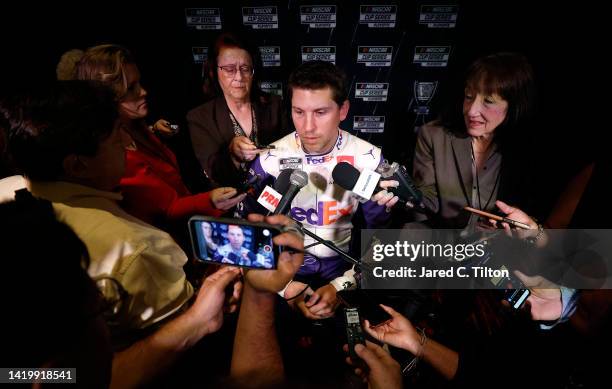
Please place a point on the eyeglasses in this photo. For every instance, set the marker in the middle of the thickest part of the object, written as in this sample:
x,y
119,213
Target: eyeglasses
x,y
230,70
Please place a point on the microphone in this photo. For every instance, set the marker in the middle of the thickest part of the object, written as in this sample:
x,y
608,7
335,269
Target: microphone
x,y
282,182
271,197
406,190
297,180
365,184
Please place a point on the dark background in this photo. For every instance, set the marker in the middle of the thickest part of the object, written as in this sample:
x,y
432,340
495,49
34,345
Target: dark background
x,y
564,42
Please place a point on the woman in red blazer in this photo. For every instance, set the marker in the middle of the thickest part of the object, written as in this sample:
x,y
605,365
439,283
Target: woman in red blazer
x,y
152,187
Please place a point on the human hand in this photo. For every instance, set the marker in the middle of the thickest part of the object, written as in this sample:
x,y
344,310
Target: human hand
x,y
323,302
384,197
383,371
208,308
243,149
398,332
513,213
223,198
544,298
288,262
162,127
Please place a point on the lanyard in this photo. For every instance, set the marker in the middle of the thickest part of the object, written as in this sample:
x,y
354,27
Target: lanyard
x,y
475,167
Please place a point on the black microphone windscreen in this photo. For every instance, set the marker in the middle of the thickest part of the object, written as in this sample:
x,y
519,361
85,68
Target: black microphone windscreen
x,y
281,185
345,175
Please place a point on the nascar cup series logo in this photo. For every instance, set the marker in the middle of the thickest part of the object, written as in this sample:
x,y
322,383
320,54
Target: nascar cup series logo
x,y
378,16
318,16
270,56
260,18
423,93
375,55
199,54
319,53
432,56
372,91
439,16
203,18
369,124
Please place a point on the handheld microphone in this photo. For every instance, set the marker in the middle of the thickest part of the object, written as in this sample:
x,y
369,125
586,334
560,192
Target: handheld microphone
x,y
365,184
297,180
282,182
406,190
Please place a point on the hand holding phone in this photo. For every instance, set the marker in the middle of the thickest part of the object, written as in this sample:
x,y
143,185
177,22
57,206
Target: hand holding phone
x,y
234,242
503,219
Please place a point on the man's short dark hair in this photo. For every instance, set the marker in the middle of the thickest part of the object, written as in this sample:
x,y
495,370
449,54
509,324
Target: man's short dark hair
x,y
48,123
315,75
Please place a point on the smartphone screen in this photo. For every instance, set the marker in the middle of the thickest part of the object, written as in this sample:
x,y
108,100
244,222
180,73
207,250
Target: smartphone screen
x,y
234,242
368,307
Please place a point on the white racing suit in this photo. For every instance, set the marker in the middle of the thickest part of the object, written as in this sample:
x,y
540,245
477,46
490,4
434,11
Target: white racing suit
x,y
323,207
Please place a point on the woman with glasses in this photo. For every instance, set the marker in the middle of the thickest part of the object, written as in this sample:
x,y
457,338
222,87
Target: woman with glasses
x,y
227,132
152,187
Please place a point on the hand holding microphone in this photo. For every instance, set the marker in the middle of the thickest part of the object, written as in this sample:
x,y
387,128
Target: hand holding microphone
x,y
370,185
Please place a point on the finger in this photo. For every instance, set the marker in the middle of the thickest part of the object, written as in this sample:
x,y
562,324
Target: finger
x,y
225,193
229,203
390,311
224,277
388,184
371,331
289,239
322,308
280,220
367,355
237,292
306,312
378,351
393,201
255,217
505,208
314,298
379,196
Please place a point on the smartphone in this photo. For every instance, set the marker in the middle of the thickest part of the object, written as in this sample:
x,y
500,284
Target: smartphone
x,y
369,308
234,242
354,332
493,216
263,147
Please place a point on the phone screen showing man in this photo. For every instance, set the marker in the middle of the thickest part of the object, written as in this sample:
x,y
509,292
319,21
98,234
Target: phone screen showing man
x,y
234,244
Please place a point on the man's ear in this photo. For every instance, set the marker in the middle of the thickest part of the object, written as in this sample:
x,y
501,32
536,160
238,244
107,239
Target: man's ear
x,y
344,108
75,166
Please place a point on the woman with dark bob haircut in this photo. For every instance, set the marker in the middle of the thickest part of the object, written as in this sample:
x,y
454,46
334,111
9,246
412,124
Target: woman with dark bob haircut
x,y
472,159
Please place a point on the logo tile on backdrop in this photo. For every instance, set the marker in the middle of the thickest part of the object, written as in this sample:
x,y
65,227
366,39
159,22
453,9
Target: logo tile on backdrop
x,y
260,18
439,16
270,56
319,53
432,56
318,16
200,54
272,87
379,56
372,91
203,18
378,16
369,124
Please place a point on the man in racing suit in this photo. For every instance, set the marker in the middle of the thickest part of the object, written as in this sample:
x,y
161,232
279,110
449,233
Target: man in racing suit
x,y
318,105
